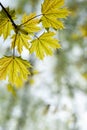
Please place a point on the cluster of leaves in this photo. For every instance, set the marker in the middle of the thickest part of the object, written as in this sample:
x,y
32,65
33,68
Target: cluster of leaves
x,y
15,68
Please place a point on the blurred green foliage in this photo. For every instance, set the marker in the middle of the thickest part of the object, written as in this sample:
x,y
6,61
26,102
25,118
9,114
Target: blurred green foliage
x,y
27,5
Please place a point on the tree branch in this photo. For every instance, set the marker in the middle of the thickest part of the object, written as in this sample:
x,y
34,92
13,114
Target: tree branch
x,y
9,16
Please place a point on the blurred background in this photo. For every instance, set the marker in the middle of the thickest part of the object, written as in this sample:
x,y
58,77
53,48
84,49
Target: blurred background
x,y
55,96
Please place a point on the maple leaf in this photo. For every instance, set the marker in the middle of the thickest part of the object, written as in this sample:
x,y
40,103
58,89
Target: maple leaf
x,y
15,68
20,40
44,45
29,23
5,23
52,12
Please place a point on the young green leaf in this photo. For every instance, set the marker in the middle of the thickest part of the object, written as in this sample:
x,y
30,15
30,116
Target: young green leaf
x,y
15,68
44,45
5,23
52,11
30,23
19,40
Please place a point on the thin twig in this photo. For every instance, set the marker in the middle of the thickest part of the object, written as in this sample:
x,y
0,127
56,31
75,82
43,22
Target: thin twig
x,y
14,45
9,16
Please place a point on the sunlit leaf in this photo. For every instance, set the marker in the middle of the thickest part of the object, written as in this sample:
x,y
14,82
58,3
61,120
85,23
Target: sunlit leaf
x,y
5,23
15,68
19,40
52,12
30,23
44,45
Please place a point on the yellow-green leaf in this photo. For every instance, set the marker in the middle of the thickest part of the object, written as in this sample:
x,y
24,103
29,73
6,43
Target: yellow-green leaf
x,y
30,23
20,40
52,12
44,45
15,69
5,23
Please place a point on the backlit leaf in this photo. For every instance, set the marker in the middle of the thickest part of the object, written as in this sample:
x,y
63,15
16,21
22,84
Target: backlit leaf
x,y
5,23
20,40
15,68
44,45
52,12
30,23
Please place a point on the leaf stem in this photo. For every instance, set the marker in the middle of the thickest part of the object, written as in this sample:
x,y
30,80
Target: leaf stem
x,y
30,19
14,45
9,16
